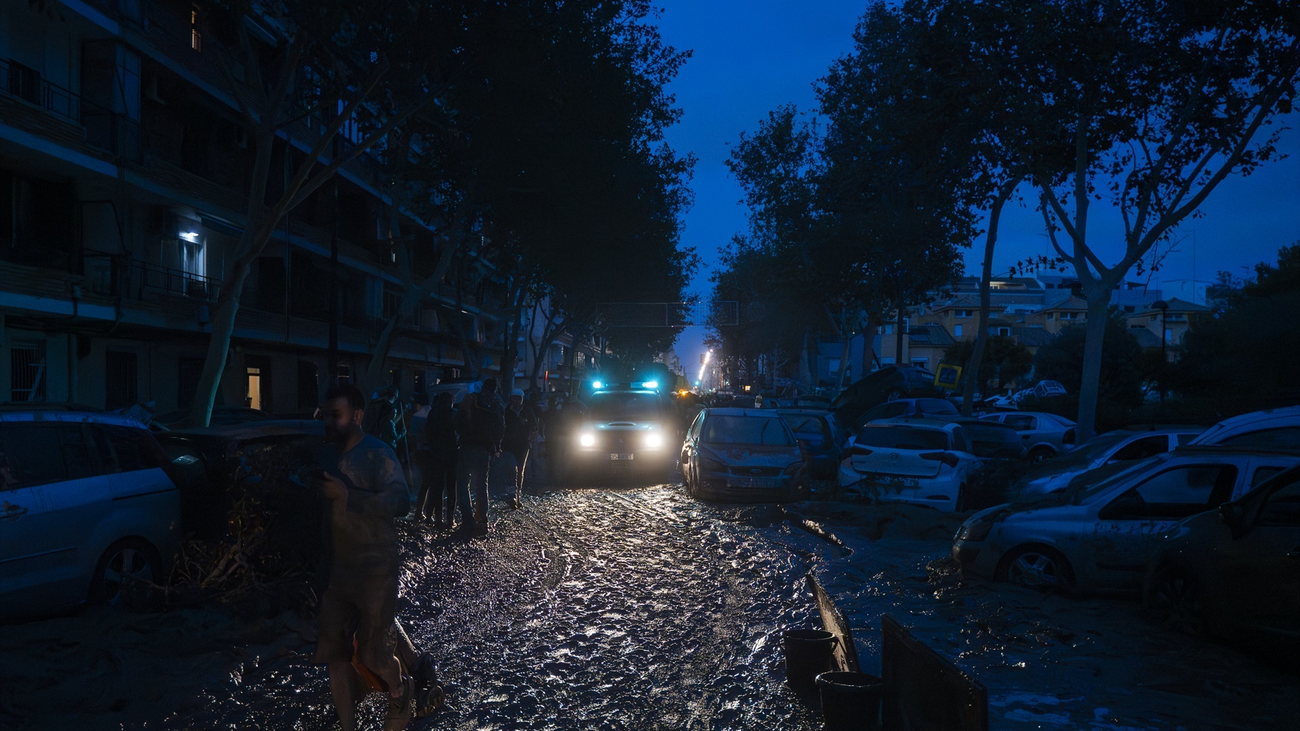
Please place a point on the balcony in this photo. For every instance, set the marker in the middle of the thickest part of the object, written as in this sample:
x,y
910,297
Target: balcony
x,y
85,122
117,276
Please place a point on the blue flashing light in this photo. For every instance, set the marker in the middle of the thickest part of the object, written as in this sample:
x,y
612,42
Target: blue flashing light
x,y
597,384
650,385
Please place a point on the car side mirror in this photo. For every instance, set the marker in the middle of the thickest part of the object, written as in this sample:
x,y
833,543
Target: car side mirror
x,y
1233,515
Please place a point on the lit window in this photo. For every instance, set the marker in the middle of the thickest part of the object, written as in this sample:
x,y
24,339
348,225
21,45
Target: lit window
x,y
196,39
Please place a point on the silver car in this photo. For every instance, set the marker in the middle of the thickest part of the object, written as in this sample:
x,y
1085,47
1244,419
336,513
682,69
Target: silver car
x,y
1044,435
1121,445
926,463
1097,537
744,455
87,510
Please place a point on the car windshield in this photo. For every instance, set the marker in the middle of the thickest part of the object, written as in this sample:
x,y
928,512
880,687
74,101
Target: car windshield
x,y
1090,484
807,425
988,433
902,437
623,406
748,430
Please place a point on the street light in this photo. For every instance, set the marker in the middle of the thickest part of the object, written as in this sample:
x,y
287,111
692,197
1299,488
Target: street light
x,y
1164,308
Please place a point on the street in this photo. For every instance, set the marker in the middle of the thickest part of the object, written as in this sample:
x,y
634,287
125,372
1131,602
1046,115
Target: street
x,y
638,608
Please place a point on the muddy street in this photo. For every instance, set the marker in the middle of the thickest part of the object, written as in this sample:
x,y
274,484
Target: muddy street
x,y
643,609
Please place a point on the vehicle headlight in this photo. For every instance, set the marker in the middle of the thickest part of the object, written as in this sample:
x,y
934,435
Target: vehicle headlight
x,y
975,530
712,465
587,439
653,440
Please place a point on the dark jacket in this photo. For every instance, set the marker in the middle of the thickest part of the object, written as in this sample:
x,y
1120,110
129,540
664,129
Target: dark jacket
x,y
520,428
481,422
440,432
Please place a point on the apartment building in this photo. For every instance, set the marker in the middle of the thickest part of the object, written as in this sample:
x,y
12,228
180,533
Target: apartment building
x,y
123,183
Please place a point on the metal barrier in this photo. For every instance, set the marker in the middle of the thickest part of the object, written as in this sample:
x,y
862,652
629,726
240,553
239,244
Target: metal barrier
x,y
924,690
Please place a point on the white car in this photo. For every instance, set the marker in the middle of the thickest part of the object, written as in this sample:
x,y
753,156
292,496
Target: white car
x,y
1096,537
1269,429
87,510
1121,445
910,461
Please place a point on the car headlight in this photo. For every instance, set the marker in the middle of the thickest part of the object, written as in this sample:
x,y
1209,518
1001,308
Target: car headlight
x,y
587,439
974,530
712,465
653,440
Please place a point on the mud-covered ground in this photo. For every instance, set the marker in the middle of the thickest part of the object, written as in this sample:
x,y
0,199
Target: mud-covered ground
x,y
641,609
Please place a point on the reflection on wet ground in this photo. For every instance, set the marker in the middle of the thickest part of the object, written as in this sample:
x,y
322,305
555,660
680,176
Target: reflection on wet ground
x,y
642,609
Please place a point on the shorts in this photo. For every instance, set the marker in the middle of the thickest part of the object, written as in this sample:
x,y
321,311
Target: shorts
x,y
360,605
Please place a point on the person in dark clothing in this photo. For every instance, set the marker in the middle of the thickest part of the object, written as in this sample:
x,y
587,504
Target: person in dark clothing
x,y
480,423
521,428
366,490
439,464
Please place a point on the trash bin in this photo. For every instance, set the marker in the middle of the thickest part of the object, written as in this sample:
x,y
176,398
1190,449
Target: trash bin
x,y
808,653
850,701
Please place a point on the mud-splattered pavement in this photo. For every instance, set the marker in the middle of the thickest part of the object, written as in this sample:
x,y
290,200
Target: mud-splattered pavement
x,y
642,609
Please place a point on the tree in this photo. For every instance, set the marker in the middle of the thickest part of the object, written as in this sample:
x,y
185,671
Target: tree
x,y
348,72
1155,105
1004,361
1063,359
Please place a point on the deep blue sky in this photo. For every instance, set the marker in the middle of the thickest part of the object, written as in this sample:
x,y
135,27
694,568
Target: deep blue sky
x,y
751,56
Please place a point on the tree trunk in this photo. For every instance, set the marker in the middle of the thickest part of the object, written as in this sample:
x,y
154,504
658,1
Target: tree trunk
x,y
1098,309
986,302
214,363
374,376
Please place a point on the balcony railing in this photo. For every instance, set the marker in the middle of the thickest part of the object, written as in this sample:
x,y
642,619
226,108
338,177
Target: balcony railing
x,y
105,129
116,275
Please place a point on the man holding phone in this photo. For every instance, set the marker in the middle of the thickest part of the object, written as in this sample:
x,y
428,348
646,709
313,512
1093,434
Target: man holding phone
x,y
366,490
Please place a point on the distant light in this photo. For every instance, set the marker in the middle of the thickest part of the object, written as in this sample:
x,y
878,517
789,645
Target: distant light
x,y
597,384
747,388
697,383
191,236
651,384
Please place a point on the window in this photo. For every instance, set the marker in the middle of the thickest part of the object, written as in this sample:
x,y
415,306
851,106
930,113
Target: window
x,y
1004,331
188,371
253,390
1182,491
1283,506
964,313
764,431
27,371
902,437
133,449
920,362
1020,422
77,457
196,38
956,330
1142,448
31,454
1264,473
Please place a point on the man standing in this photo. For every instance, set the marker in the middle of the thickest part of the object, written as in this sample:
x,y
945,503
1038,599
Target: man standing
x,y
521,427
439,470
480,424
364,486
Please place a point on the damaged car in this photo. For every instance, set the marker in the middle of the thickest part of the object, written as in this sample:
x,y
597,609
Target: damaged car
x,y
1234,573
742,455
926,463
1097,536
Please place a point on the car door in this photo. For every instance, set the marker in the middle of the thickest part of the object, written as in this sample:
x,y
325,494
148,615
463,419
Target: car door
x,y
1259,570
1128,525
1024,424
74,508
56,477
690,452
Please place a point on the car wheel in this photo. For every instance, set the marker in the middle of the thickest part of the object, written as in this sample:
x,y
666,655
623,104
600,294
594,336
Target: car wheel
x,y
126,575
1038,454
1037,567
1174,598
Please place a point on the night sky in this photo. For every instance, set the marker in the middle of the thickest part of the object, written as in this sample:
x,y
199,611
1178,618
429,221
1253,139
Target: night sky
x,y
751,56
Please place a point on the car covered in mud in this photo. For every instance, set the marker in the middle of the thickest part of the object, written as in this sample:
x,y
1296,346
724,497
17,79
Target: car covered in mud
x,y
742,455
819,438
1121,445
626,428
1044,435
1097,536
912,461
1234,573
88,511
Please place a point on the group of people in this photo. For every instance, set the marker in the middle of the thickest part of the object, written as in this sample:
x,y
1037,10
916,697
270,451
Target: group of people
x,y
455,446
